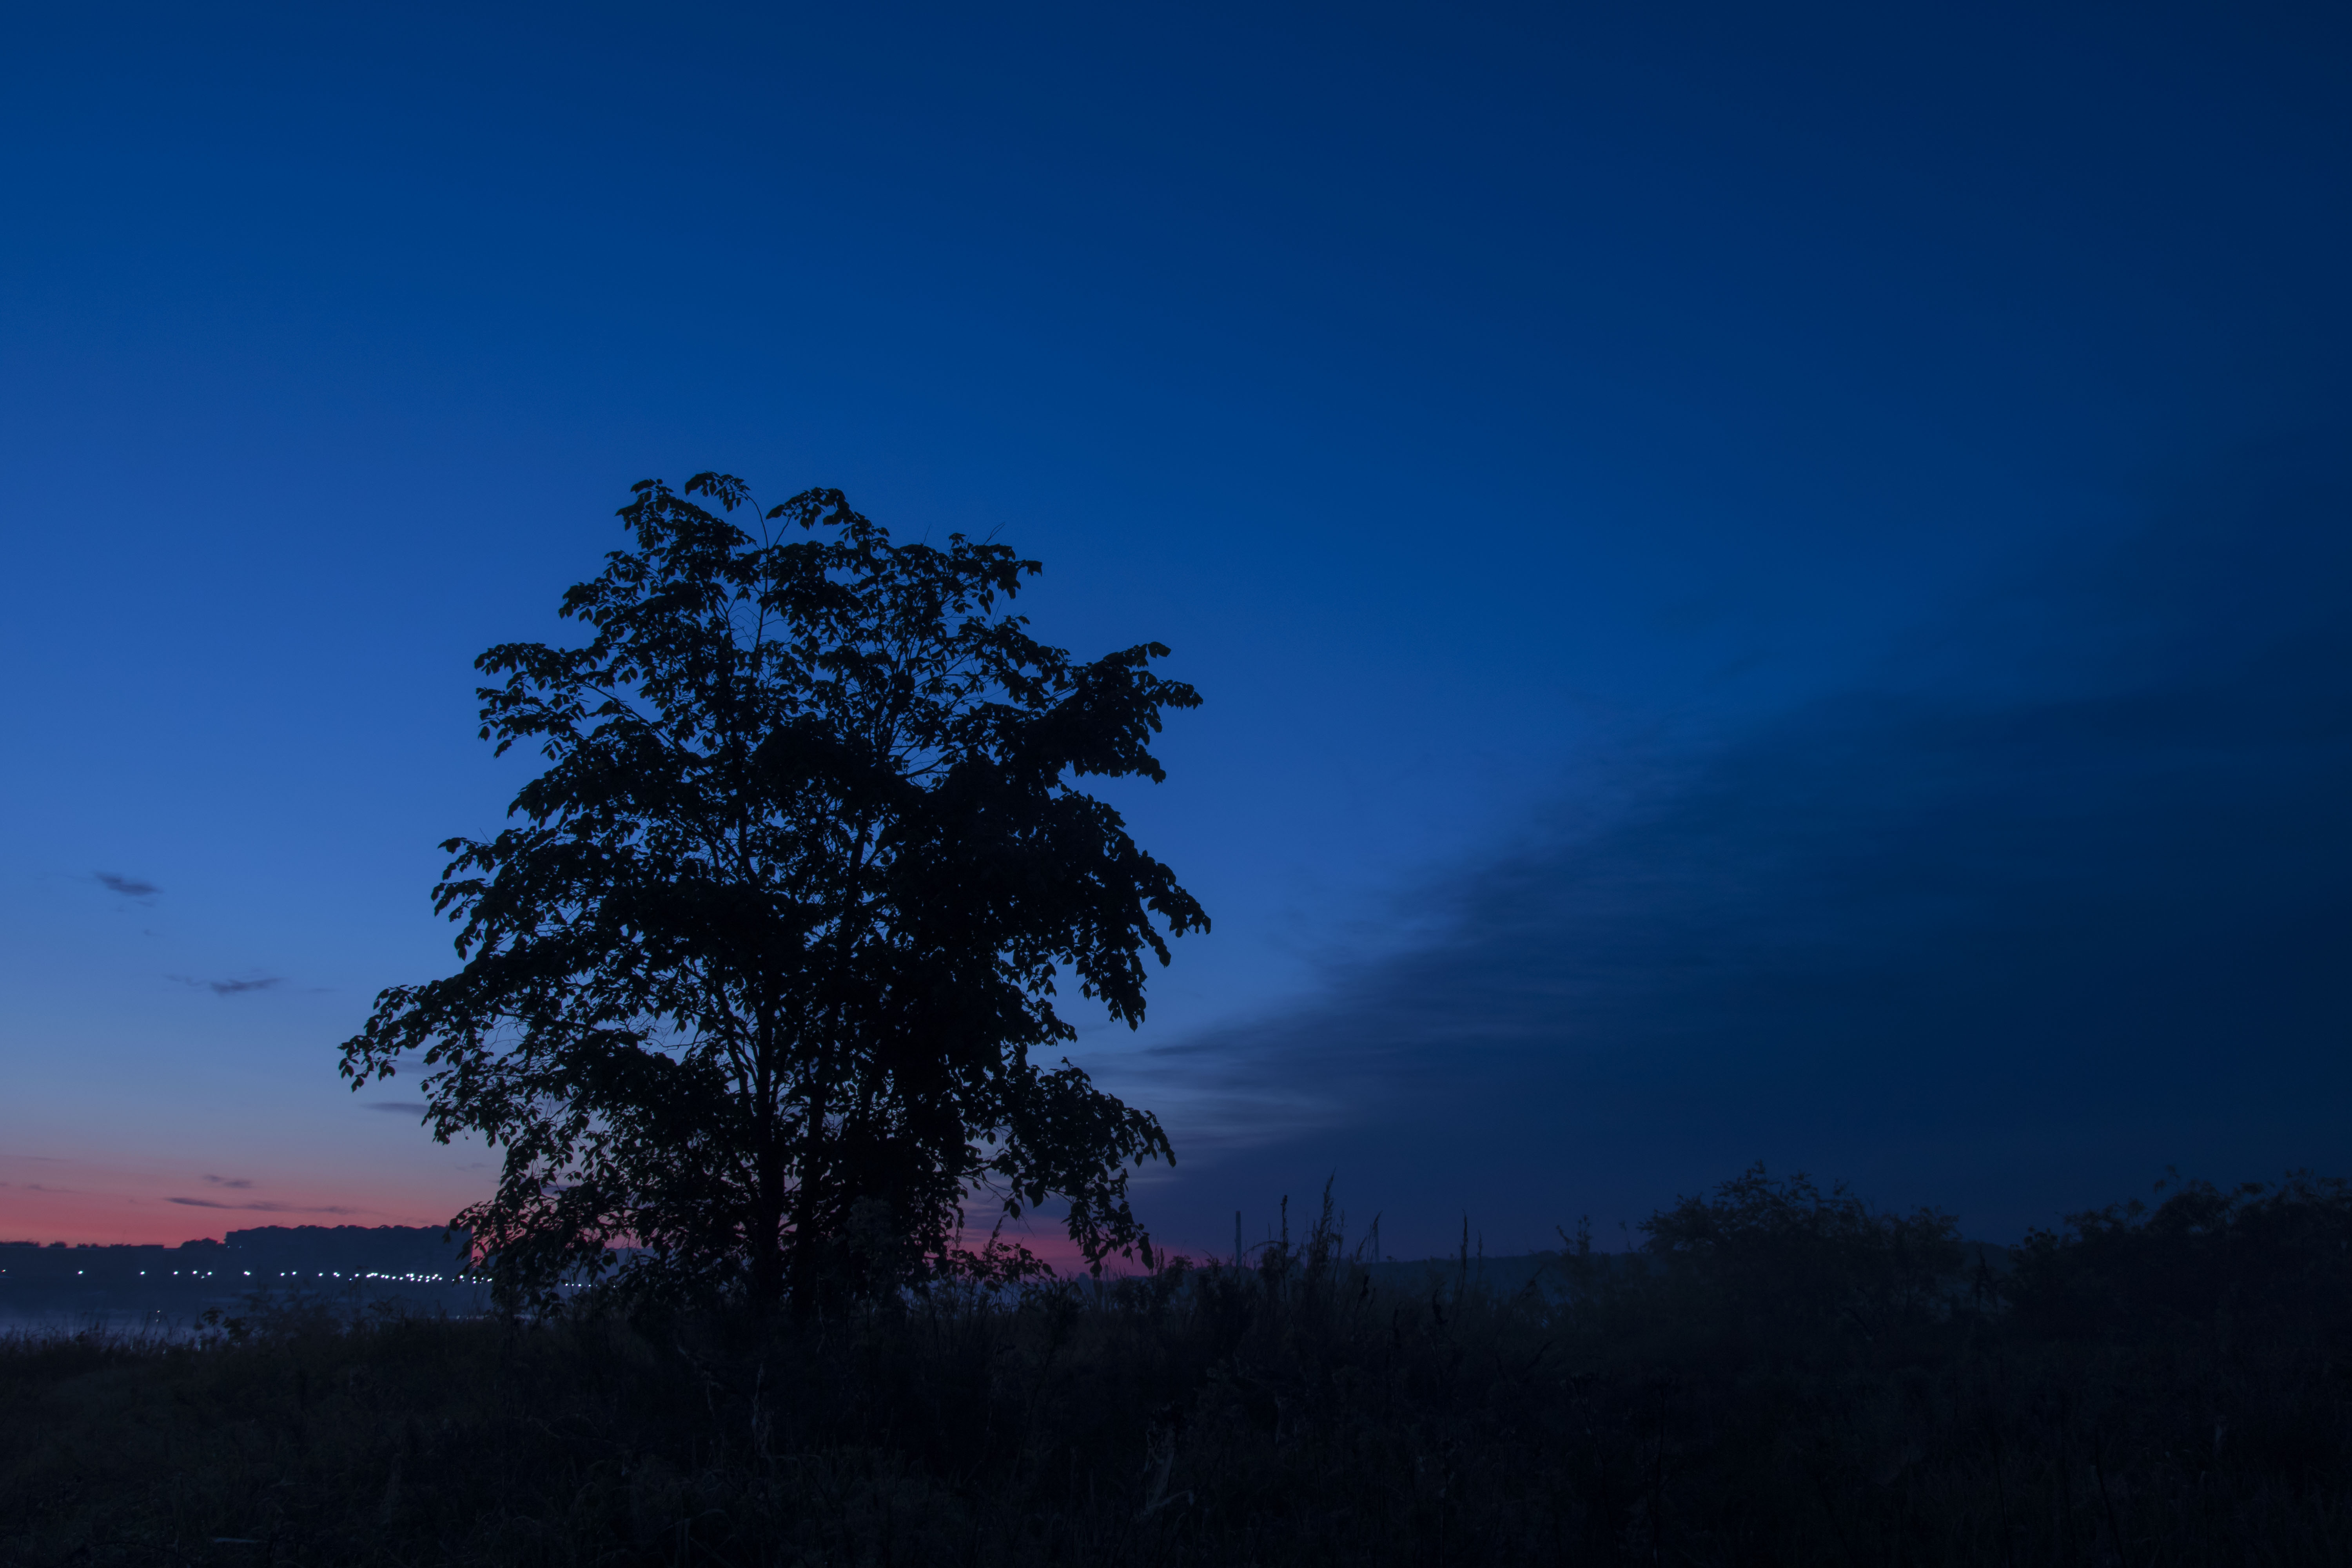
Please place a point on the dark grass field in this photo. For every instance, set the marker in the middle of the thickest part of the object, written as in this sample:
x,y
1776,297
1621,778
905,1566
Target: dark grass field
x,y
1783,1378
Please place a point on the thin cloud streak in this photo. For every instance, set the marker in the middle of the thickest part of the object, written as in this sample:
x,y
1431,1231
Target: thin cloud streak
x,y
230,987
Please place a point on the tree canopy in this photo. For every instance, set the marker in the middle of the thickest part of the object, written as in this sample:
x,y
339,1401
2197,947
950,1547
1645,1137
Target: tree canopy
x,y
759,977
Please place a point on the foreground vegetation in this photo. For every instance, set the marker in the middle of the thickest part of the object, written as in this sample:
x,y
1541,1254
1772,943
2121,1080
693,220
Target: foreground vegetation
x,y
1783,1375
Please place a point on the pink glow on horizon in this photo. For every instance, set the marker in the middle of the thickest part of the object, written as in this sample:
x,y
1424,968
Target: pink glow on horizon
x,y
110,1201
1052,1246
64,1198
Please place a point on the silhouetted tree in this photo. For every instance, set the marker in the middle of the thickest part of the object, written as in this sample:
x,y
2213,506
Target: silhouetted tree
x,y
757,979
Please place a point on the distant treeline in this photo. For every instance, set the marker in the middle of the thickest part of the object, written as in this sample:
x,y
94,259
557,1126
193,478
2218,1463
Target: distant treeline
x,y
350,1247
122,1284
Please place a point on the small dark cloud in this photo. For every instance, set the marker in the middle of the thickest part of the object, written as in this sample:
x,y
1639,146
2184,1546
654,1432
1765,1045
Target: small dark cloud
x,y
261,1207
228,1181
411,1107
129,887
229,987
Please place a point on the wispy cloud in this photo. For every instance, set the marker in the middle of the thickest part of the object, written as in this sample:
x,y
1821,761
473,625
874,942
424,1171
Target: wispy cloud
x,y
261,1206
129,887
2012,946
227,1182
407,1107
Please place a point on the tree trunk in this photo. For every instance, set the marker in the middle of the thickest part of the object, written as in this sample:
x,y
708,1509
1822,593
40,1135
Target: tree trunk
x,y
766,1242
806,1283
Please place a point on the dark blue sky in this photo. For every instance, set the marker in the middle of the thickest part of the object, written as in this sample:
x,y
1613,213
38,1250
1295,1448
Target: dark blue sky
x,y
1767,586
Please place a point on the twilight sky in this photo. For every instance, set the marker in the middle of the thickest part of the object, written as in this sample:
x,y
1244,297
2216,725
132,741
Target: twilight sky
x,y
1767,586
